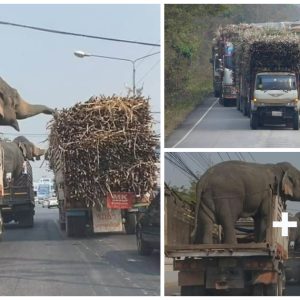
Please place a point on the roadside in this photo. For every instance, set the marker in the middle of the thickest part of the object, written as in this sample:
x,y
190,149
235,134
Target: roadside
x,y
179,111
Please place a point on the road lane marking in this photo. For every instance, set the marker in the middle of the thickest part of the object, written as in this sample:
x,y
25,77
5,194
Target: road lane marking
x,y
187,134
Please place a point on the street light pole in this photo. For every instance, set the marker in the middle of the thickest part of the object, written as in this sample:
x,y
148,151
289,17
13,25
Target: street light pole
x,y
82,54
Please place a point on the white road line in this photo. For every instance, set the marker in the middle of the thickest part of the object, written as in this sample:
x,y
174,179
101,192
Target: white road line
x,y
179,142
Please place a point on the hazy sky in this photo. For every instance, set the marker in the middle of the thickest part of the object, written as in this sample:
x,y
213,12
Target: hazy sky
x,y
42,67
174,177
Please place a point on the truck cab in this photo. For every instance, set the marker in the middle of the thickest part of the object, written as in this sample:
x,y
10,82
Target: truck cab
x,y
275,99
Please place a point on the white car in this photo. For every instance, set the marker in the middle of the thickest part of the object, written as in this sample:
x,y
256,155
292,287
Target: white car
x,y
52,202
45,203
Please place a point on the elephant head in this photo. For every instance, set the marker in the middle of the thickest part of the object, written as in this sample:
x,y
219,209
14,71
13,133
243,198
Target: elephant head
x,y
13,107
29,150
290,182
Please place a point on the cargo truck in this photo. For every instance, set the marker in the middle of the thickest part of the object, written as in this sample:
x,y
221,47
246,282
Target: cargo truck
x,y
17,203
223,69
267,76
245,268
118,214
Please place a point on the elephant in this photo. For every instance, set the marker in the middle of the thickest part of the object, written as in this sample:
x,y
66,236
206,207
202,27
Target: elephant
x,y
234,189
13,107
16,153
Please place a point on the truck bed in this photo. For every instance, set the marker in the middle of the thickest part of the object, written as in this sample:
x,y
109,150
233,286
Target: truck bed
x,y
219,250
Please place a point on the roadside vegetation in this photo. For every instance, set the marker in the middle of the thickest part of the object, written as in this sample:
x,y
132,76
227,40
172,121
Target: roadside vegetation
x,y
189,30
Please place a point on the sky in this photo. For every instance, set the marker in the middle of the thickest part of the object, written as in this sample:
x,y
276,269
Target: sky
x,y
42,67
175,177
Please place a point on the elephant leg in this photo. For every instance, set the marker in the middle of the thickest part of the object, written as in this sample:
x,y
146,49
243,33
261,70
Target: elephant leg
x,y
260,228
203,230
228,224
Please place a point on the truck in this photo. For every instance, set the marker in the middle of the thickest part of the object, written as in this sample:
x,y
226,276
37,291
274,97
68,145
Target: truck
x,y
118,214
223,69
245,268
106,171
17,203
271,94
267,76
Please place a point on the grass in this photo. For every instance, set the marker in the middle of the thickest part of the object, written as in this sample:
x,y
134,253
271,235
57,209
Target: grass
x,y
179,110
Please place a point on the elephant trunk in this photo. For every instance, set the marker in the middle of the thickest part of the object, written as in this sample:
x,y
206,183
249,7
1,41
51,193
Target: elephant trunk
x,y
25,110
37,152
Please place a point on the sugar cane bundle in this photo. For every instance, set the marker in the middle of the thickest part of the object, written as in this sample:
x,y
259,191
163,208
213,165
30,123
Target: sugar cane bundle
x,y
104,145
261,48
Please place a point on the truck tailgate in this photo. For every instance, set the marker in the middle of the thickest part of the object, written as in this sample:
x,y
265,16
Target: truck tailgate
x,y
220,250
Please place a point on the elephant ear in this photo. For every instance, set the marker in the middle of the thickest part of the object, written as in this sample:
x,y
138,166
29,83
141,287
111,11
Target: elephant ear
x,y
287,185
23,149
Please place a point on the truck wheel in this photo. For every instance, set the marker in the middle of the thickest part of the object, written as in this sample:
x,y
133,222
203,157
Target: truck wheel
x,y
296,121
75,226
193,290
130,223
244,109
221,101
142,246
254,121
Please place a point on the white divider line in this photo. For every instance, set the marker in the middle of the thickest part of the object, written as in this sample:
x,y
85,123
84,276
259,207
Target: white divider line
x,y
187,134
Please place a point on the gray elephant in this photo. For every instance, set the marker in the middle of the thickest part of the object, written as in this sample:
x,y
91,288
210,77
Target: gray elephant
x,y
13,107
16,152
235,189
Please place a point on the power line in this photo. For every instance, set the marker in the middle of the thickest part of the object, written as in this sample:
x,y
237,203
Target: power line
x,y
77,34
148,72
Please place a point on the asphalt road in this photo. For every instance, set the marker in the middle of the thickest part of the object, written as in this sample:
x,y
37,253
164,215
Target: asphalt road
x,y
172,288
212,125
42,261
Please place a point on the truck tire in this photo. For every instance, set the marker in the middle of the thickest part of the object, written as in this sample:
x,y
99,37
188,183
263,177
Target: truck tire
x,y
221,101
254,121
143,248
75,226
243,107
193,290
130,223
238,103
296,121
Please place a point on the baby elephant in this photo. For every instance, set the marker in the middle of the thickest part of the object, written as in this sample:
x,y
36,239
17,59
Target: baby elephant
x,y
234,189
16,153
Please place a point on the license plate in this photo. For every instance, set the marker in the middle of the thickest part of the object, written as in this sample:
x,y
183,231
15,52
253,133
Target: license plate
x,y
277,113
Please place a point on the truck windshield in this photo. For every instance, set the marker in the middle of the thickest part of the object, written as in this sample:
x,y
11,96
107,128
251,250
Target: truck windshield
x,y
43,189
276,82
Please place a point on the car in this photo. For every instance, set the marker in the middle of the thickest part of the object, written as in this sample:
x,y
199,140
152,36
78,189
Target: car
x,y
52,202
45,202
148,228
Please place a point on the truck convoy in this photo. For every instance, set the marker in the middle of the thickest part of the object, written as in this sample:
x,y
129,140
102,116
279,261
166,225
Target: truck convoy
x,y
223,67
245,268
102,153
265,71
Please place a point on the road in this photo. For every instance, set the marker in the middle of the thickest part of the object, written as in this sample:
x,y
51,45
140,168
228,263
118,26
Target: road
x,y
172,288
42,261
212,125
